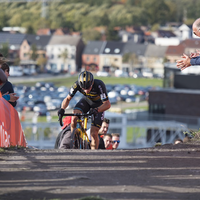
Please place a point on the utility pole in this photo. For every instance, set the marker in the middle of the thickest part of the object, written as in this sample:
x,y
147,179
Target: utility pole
x,y
44,13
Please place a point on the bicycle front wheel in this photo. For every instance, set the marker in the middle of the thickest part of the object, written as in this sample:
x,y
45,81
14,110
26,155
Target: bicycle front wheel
x,y
77,142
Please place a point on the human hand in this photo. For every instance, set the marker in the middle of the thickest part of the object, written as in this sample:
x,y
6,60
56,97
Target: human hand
x,y
184,62
61,112
13,98
193,55
93,111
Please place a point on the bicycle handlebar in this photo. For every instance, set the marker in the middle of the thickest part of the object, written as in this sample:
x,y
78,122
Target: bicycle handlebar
x,y
73,114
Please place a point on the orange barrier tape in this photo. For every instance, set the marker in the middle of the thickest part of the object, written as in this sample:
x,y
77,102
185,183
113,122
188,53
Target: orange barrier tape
x,y
11,132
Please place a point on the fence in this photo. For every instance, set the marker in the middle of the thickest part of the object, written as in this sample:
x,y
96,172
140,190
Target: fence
x,y
136,129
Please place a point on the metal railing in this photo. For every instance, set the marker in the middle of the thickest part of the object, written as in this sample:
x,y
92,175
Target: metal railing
x,y
136,129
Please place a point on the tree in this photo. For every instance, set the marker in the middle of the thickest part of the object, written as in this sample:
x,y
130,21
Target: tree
x,y
111,34
157,11
33,53
130,58
64,55
5,49
41,61
90,35
17,61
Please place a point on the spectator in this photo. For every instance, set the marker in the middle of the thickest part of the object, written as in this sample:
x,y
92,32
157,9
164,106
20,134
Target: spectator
x,y
64,137
7,86
9,97
3,77
194,58
103,130
115,140
107,138
178,141
104,127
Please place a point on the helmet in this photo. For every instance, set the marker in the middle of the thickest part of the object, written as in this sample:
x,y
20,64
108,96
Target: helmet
x,y
85,79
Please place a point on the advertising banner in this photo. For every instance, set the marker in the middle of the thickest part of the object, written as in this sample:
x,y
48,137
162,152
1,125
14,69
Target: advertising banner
x,y
11,133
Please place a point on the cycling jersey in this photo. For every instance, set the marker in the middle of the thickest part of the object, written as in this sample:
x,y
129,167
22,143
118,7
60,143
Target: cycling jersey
x,y
97,93
94,99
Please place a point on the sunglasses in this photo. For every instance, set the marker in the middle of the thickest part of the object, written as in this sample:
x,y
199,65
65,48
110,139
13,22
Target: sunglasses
x,y
114,141
195,33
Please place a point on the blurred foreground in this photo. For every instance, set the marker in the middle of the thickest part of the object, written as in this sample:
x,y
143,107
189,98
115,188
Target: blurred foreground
x,y
165,172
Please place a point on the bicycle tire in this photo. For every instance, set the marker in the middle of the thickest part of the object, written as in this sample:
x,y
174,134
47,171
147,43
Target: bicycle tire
x,y
76,141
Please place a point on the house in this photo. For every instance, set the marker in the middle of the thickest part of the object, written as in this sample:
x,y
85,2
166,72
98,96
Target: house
x,y
135,55
173,53
65,53
48,31
111,56
33,43
165,38
185,32
137,37
14,42
91,55
45,31
154,58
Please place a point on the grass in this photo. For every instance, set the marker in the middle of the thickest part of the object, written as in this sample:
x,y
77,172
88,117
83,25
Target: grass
x,y
68,81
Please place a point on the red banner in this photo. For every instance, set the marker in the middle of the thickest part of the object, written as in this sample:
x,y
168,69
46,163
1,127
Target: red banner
x,y
11,132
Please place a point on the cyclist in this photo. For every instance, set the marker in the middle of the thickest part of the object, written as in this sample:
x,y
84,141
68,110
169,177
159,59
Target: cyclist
x,y
95,101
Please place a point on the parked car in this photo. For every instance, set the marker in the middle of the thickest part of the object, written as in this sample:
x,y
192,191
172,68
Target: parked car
x,y
41,109
16,71
105,74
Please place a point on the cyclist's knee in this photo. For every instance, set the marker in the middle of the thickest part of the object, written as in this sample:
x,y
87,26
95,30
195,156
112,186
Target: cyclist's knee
x,y
73,121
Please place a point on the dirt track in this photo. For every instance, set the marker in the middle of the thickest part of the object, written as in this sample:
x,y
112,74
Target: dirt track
x,y
165,172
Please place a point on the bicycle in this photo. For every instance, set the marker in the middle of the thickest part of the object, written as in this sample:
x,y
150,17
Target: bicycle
x,y
79,137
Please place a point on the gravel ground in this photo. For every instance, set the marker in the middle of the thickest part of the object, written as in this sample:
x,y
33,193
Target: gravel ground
x,y
163,172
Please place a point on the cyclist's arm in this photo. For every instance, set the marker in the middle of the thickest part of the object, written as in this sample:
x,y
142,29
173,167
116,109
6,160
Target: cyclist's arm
x,y
105,106
66,101
72,92
104,97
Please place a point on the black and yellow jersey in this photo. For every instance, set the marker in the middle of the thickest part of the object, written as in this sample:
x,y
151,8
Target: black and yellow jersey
x,y
97,93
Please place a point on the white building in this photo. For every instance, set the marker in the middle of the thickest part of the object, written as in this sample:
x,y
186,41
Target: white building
x,y
64,53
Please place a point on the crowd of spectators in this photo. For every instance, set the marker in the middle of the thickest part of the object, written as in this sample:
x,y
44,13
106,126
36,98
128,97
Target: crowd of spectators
x,y
106,140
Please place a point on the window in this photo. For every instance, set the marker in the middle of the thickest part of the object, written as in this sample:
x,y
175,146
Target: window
x,y
106,61
87,58
117,50
94,59
157,108
107,50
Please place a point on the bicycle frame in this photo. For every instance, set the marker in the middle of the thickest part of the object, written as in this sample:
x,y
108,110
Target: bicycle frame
x,y
80,129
